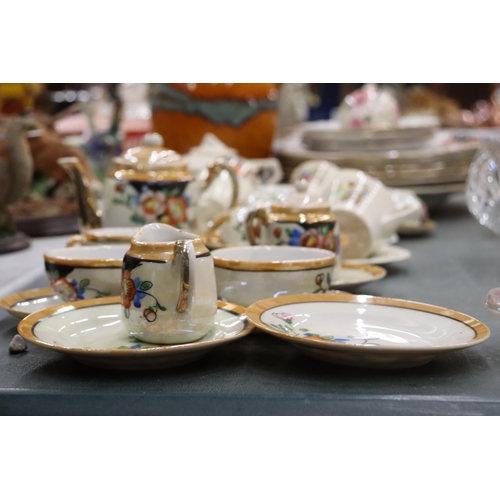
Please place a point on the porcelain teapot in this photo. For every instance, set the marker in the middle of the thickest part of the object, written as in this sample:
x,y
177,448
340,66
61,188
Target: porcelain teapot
x,y
146,184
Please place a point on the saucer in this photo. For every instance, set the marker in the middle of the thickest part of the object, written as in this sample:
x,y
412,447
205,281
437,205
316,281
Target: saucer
x,y
351,275
23,303
366,331
92,332
386,254
417,229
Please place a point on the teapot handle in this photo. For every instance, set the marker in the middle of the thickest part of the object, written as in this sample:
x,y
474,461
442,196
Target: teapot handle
x,y
261,215
184,252
214,169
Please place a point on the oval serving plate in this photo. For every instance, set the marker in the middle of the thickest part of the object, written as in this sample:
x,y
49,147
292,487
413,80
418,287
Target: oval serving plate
x,y
92,332
366,331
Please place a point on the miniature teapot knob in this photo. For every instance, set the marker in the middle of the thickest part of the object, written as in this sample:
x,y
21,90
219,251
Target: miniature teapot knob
x,y
152,139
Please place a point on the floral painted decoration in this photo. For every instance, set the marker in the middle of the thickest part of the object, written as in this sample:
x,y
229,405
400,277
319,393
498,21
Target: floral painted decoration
x,y
323,286
167,205
287,327
133,291
70,289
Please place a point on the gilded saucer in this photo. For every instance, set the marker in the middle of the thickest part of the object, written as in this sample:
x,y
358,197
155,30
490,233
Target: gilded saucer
x,y
387,254
21,304
92,332
366,331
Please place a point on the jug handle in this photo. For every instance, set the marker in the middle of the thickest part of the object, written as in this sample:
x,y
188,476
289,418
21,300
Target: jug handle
x,y
261,215
184,251
214,169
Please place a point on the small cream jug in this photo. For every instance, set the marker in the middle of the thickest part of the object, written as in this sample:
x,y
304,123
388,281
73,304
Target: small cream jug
x,y
168,291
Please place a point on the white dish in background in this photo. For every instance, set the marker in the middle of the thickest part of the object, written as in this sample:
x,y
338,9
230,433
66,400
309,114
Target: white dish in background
x,y
366,331
329,135
92,332
386,254
21,304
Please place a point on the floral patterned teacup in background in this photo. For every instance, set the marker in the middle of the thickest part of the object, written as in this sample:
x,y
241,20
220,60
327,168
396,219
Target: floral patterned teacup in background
x,y
366,212
298,221
86,272
168,286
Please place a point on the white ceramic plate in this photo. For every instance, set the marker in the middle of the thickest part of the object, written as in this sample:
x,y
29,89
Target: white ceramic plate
x,y
386,254
417,229
92,332
21,304
365,331
352,275
328,135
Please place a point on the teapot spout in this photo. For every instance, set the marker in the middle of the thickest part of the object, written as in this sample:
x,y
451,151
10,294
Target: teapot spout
x,y
89,213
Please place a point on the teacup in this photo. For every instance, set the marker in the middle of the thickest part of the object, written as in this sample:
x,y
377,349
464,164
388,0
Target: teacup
x,y
246,274
297,221
85,272
169,295
366,212
103,236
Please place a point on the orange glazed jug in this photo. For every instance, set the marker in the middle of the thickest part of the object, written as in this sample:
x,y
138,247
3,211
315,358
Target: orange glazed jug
x,y
242,115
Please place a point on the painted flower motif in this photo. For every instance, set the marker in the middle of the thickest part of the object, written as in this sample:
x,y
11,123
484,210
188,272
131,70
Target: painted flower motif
x,y
66,289
323,286
294,236
152,205
357,123
286,317
176,209
276,232
360,97
309,238
128,289
149,314
327,241
120,187
133,291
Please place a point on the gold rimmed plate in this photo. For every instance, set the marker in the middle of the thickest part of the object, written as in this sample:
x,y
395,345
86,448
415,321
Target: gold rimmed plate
x,y
366,331
21,304
353,275
92,332
386,254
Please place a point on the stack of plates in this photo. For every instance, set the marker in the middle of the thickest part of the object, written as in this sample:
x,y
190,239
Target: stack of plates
x,y
416,156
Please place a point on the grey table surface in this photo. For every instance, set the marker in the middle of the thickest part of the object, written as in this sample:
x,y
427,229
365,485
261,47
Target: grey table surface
x,y
455,267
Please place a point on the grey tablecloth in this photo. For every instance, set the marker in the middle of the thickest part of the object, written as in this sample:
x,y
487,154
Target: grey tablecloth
x,y
453,267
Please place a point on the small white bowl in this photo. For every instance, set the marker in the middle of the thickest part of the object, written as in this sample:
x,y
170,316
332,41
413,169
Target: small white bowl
x,y
246,274
86,272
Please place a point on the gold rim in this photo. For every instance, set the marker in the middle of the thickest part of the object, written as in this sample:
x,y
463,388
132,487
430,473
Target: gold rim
x,y
90,263
255,311
27,325
11,300
163,251
301,217
158,175
274,265
375,271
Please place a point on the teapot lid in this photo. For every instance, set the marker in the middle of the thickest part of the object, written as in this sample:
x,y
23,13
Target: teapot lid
x,y
151,155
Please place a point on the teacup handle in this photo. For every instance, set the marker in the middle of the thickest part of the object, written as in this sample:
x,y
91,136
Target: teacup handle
x,y
76,239
214,170
261,215
184,252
